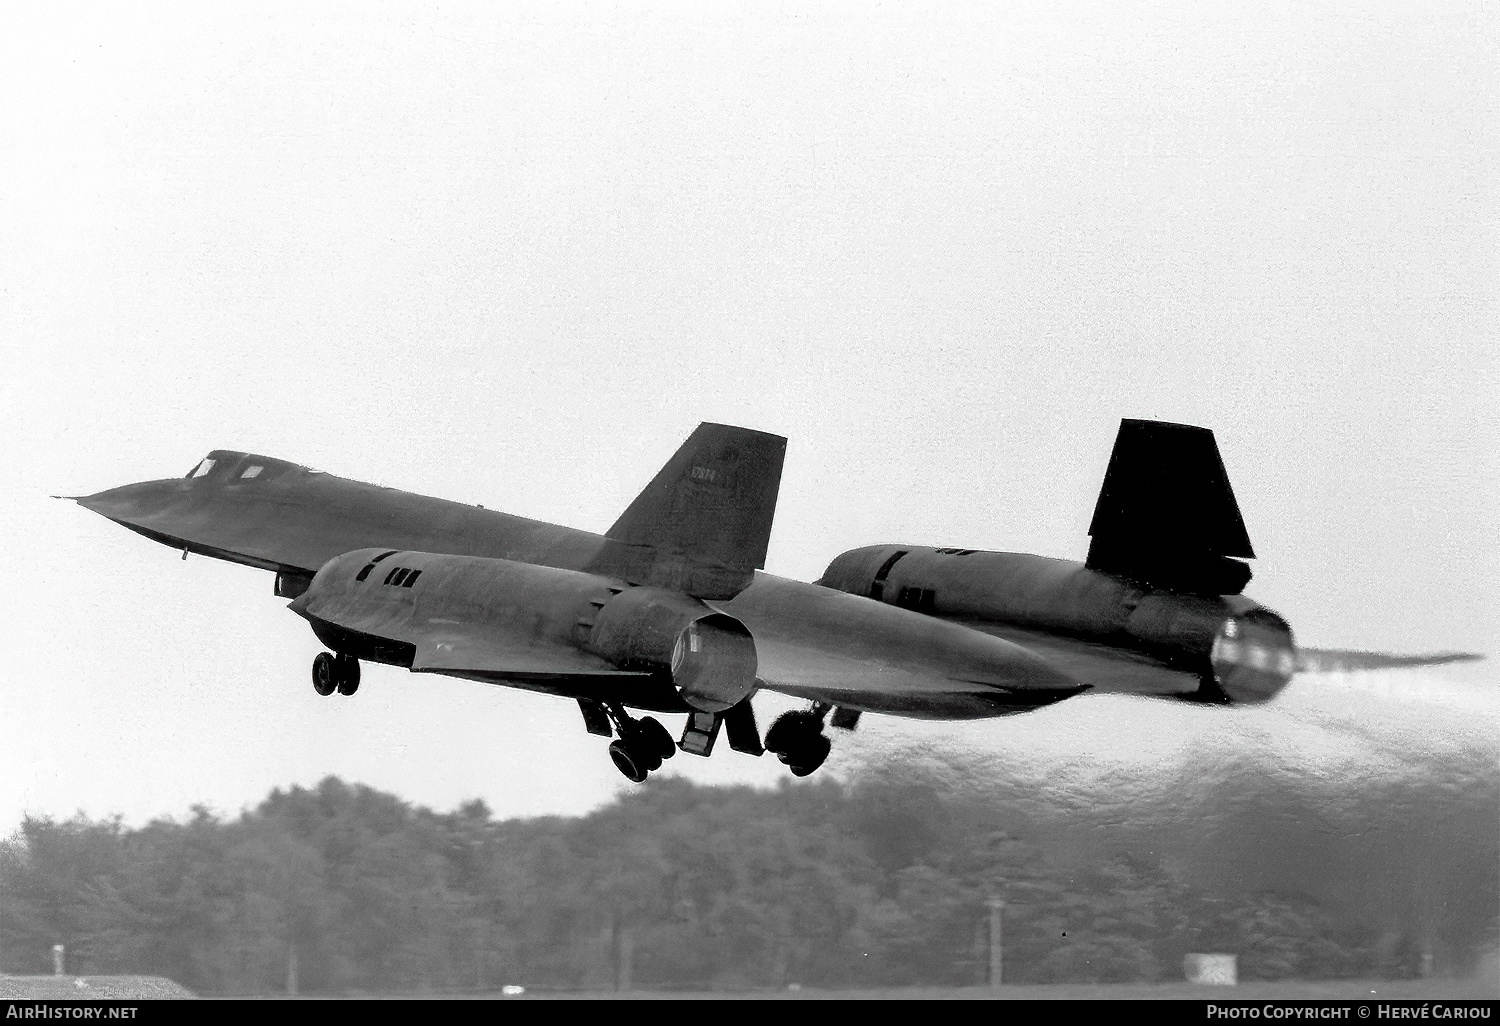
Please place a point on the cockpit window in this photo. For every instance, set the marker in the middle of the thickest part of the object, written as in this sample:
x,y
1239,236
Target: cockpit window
x,y
251,472
203,468
371,565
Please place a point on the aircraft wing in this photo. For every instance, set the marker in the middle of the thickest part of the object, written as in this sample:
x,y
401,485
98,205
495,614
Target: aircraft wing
x,y
1111,670
1334,660
839,679
1106,669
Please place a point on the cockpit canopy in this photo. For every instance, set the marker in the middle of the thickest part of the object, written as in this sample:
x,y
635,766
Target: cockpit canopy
x,y
229,467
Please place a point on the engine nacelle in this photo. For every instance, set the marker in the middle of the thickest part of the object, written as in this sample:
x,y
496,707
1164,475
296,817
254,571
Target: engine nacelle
x,y
379,615
1248,649
1254,655
710,655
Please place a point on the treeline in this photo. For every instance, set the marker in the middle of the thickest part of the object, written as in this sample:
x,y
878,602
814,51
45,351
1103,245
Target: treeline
x,y
883,881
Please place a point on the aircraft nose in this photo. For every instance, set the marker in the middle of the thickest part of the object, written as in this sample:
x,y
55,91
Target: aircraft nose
x,y
134,503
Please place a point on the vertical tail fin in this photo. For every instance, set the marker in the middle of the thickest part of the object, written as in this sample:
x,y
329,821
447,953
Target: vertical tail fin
x,y
703,524
1166,515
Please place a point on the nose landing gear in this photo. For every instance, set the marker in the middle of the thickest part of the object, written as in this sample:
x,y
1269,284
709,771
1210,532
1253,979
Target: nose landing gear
x,y
332,673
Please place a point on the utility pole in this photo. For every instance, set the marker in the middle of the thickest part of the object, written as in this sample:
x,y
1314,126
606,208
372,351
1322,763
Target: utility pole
x,y
995,905
625,980
622,952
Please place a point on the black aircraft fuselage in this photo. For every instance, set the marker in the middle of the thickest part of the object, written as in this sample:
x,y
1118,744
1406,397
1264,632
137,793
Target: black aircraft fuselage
x,y
667,611
811,642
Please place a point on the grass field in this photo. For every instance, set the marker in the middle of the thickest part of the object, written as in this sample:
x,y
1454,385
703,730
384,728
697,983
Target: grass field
x,y
67,988
1283,990
90,988
1370,990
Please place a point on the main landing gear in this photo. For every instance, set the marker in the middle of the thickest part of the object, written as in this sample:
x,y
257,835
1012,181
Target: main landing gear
x,y
332,673
798,740
796,737
642,744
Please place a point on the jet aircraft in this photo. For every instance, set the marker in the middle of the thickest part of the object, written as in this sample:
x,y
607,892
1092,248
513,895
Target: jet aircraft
x,y
1156,609
666,612
663,613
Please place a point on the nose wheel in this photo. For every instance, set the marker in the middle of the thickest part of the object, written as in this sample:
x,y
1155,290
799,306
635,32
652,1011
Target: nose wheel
x,y
332,673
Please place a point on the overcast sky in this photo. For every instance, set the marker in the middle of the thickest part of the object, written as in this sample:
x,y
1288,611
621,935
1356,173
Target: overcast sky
x,y
513,254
